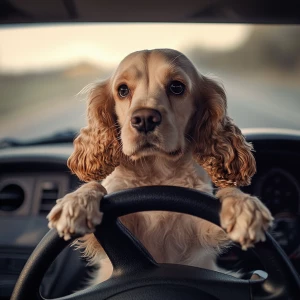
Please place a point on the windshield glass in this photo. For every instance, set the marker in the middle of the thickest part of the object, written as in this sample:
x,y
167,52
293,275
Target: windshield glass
x,y
43,68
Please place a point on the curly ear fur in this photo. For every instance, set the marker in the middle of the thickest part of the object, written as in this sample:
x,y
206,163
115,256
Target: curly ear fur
x,y
221,149
96,149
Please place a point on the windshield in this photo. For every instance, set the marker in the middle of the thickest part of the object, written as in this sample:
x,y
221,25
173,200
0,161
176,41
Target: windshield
x,y
43,68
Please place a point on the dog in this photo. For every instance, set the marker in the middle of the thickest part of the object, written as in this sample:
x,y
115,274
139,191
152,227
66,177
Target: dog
x,y
158,121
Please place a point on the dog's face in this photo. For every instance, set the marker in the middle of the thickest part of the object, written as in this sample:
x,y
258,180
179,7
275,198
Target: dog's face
x,y
157,104
154,103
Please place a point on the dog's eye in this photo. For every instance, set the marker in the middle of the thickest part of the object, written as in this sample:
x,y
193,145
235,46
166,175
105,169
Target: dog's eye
x,y
123,90
176,87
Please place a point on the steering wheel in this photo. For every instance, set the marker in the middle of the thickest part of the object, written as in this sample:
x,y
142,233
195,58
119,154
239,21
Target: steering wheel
x,y
135,273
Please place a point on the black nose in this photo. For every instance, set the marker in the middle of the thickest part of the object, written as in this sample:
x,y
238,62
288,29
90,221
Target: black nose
x,y
145,119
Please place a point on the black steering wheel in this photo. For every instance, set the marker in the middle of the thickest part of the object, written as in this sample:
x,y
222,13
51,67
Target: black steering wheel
x,y
137,276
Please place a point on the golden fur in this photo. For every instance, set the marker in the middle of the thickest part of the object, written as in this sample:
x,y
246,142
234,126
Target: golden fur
x,y
196,142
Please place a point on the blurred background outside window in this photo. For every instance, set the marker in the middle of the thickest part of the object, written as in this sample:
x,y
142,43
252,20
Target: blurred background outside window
x,y
43,68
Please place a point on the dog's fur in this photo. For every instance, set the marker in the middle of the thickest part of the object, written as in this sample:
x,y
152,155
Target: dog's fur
x,y
196,142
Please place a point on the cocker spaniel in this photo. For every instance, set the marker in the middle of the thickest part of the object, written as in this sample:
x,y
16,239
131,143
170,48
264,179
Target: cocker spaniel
x,y
157,121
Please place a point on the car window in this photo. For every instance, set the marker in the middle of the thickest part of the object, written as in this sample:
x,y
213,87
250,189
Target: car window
x,y
43,69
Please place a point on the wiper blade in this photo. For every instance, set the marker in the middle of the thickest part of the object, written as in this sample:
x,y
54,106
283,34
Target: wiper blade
x,y
58,138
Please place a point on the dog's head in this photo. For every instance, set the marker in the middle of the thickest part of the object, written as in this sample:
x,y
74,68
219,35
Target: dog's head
x,y
157,104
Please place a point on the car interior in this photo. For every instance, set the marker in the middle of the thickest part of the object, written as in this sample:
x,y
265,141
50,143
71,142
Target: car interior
x,y
34,172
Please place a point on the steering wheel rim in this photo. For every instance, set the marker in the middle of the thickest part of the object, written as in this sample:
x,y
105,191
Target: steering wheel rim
x,y
282,283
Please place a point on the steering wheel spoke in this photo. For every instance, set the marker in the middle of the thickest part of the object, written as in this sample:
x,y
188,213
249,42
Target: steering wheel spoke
x,y
126,253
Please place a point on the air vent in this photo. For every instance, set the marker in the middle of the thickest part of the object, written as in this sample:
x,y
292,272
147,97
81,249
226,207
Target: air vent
x,y
11,197
49,195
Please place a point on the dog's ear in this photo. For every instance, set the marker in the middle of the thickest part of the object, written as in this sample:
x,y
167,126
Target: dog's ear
x,y
96,149
220,149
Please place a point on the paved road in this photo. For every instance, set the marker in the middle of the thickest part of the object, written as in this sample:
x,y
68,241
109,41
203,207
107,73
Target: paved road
x,y
262,105
249,104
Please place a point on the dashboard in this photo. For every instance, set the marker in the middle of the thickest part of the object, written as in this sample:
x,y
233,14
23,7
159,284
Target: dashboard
x,y
32,178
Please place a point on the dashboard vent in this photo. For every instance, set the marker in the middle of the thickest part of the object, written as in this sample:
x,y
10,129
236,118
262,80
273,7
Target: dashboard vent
x,y
11,197
49,195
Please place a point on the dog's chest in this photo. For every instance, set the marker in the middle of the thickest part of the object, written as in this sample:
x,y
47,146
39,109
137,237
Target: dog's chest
x,y
185,177
174,237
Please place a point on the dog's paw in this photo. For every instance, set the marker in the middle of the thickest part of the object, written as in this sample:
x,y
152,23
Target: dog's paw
x,y
77,213
244,217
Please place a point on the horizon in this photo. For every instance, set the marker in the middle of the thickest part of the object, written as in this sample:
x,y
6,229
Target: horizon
x,y
51,47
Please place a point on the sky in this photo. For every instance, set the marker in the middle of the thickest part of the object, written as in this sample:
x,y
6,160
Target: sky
x,y
30,48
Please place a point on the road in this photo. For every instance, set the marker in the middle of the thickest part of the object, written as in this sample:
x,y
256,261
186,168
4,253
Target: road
x,y
250,104
255,104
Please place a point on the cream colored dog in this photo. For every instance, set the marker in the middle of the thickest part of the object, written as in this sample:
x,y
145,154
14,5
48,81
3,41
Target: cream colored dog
x,y
157,121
